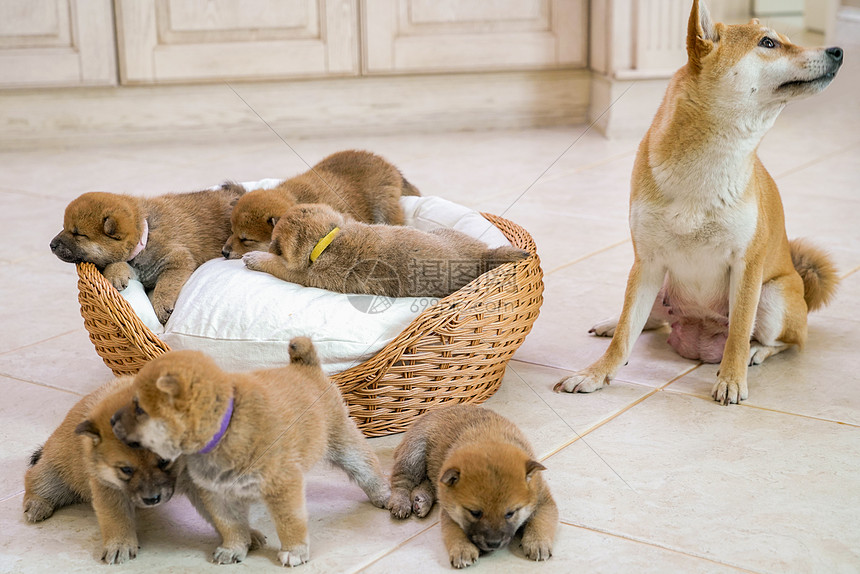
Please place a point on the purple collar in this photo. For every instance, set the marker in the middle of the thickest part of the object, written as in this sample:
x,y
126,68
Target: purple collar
x,y
225,422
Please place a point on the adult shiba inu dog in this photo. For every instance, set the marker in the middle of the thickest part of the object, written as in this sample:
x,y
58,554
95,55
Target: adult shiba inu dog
x,y
83,461
248,436
356,183
711,253
315,246
483,471
159,240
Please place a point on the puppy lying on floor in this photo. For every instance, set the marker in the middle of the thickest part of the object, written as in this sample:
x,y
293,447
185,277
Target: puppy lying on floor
x,y
83,461
359,184
315,246
249,436
159,241
483,471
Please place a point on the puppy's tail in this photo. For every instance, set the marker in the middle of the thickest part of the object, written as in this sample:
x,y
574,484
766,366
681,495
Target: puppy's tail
x,y
505,254
819,274
36,456
302,352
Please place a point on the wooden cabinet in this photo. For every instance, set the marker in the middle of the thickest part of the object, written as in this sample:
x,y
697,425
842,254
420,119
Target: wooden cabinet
x,y
460,35
56,43
192,40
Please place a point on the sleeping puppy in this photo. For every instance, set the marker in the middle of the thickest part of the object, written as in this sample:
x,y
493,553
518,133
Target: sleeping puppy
x,y
483,471
358,184
248,436
315,246
160,241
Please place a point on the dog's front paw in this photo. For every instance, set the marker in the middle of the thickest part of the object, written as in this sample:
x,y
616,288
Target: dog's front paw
x,y
224,555
463,554
582,382
118,274
730,390
399,504
119,551
258,540
537,548
256,260
37,509
163,306
295,556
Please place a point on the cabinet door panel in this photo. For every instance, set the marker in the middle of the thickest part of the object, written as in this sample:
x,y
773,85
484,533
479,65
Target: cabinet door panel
x,y
56,43
454,35
188,40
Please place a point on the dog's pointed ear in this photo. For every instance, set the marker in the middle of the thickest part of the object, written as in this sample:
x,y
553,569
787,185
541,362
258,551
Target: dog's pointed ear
x,y
532,466
88,428
450,476
110,226
701,34
169,385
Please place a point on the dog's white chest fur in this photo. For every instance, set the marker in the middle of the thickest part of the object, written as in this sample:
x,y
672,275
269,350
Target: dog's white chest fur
x,y
206,473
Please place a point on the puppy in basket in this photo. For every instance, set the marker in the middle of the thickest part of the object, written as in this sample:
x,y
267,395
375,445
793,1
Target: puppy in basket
x,y
357,183
248,436
315,246
160,240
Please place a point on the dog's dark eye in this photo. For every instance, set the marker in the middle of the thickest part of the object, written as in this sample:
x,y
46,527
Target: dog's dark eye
x,y
476,514
510,514
767,43
245,240
76,233
163,463
127,470
137,409
133,444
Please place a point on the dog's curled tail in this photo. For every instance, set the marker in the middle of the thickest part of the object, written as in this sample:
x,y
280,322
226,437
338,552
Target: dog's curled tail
x,y
819,274
505,254
302,351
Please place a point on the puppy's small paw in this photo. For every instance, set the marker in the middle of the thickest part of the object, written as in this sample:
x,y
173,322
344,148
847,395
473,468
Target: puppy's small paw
x,y
399,504
37,509
295,556
582,382
255,260
163,306
421,504
119,551
118,274
463,554
224,555
536,548
258,540
730,391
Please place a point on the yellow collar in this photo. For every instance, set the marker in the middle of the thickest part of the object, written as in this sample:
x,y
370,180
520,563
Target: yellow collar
x,y
323,243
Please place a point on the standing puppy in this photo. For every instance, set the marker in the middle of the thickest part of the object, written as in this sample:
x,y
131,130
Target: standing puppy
x,y
711,252
482,470
249,436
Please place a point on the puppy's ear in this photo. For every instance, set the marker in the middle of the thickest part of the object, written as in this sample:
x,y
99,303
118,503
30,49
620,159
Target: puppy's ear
x,y
532,467
169,385
110,226
450,477
701,34
87,428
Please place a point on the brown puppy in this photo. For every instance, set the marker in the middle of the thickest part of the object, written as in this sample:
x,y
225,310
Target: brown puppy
x,y
315,246
356,183
159,240
249,436
482,469
83,461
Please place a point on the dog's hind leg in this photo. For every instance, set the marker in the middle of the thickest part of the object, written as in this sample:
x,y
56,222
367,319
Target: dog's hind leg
x,y
409,478
45,491
350,451
780,318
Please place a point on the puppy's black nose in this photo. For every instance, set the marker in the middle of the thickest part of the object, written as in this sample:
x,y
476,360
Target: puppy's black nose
x,y
493,543
152,501
226,253
835,54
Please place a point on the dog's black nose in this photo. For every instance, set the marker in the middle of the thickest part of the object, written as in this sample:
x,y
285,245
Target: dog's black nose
x,y
152,501
834,53
226,253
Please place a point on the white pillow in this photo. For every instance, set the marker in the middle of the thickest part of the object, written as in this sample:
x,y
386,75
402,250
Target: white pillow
x,y
244,319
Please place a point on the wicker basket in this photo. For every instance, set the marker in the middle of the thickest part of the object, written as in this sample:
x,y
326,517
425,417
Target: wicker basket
x,y
454,352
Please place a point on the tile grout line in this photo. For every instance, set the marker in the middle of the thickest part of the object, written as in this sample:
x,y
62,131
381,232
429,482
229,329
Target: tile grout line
x,y
655,545
584,257
11,496
39,342
818,160
370,562
43,385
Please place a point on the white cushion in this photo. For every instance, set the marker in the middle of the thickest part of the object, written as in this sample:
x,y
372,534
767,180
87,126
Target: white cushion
x,y
244,319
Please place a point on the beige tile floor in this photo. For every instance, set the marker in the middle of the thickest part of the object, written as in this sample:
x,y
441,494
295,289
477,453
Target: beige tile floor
x,y
650,474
